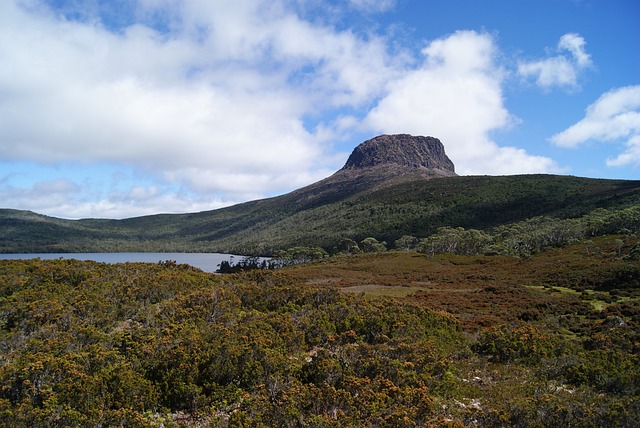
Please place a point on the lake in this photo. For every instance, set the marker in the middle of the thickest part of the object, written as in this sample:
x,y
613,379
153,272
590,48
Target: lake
x,y
207,262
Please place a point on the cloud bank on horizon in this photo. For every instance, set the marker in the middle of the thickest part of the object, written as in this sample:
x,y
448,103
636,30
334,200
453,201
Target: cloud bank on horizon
x,y
118,109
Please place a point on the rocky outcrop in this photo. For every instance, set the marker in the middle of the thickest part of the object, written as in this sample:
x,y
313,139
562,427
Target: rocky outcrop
x,y
425,154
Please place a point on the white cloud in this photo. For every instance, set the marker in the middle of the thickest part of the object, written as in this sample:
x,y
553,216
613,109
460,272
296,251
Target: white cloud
x,y
613,117
68,199
373,5
119,207
456,96
631,156
59,186
557,71
575,44
218,101
562,69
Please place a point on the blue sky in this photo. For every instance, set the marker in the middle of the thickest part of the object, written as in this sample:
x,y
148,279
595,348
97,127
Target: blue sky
x,y
121,108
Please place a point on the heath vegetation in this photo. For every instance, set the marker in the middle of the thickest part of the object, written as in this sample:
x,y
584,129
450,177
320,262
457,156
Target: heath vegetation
x,y
550,339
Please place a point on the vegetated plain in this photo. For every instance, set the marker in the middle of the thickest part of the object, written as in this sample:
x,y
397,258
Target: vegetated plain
x,y
390,339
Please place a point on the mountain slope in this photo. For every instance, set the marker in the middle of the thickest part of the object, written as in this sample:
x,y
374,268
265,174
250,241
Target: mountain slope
x,y
390,186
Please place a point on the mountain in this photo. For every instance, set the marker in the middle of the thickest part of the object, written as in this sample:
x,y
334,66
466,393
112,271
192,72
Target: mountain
x,y
390,186
425,154
381,161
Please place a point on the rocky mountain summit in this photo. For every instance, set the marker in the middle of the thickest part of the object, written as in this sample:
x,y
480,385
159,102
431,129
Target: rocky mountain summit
x,y
426,154
378,163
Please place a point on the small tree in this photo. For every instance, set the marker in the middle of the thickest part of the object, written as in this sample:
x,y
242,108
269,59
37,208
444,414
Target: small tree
x,y
348,246
456,241
406,243
372,245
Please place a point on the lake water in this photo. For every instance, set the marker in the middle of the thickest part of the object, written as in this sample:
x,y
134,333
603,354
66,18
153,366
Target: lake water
x,y
207,262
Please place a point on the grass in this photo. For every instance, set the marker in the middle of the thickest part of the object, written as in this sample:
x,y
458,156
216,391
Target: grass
x,y
594,298
375,290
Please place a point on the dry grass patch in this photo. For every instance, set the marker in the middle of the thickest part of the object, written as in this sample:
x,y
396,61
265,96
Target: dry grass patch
x,y
480,290
383,290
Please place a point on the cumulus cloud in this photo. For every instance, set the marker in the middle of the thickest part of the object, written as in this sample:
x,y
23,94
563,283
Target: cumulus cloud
x,y
575,44
216,98
614,117
456,95
561,70
49,193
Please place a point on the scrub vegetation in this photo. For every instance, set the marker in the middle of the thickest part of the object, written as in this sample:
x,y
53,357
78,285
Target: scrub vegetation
x,y
387,339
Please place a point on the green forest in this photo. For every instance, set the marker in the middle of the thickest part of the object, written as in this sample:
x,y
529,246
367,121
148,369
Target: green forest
x,y
373,204
386,339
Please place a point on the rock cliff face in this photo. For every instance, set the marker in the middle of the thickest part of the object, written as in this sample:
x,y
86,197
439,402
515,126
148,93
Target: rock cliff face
x,y
422,153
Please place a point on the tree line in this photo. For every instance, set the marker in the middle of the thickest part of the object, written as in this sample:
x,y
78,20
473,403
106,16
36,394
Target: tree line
x,y
521,239
531,236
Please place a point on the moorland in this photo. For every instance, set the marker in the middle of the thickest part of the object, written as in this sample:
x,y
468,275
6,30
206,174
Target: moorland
x,y
373,339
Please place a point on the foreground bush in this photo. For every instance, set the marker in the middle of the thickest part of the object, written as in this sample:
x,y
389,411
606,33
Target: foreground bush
x,y
89,344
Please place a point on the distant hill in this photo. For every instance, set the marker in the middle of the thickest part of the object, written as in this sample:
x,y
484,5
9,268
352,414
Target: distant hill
x,y
391,185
